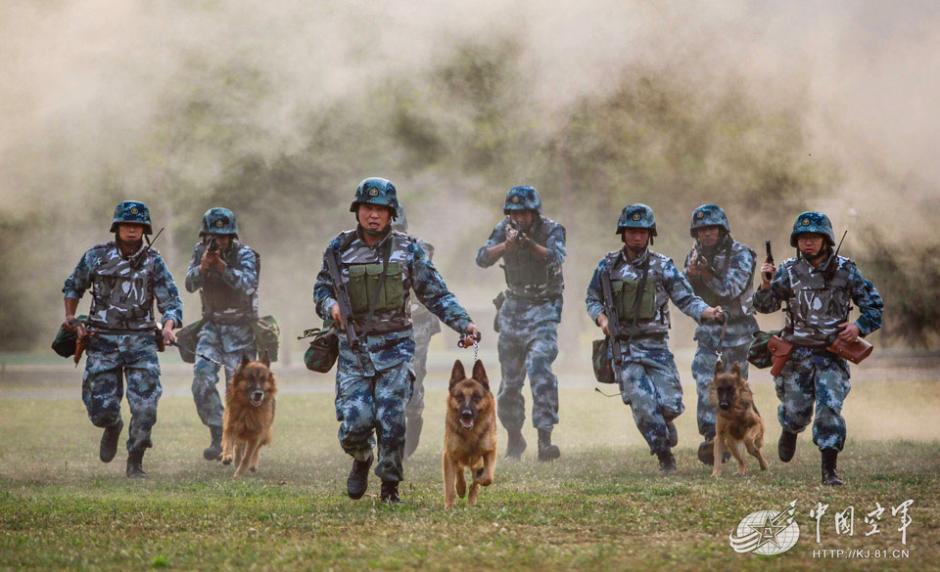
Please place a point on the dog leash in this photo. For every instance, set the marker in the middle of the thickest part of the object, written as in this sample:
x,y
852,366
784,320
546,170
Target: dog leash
x,y
721,338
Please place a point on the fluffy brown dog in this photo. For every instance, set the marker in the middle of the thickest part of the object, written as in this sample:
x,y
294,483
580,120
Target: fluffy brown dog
x,y
739,425
469,433
249,414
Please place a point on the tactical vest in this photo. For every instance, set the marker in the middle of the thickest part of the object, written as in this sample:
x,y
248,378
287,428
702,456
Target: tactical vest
x,y
365,286
222,303
652,309
122,294
526,275
736,308
817,305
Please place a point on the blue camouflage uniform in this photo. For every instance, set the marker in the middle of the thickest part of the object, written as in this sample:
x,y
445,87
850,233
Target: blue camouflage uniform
x,y
817,304
123,343
528,323
374,383
649,378
229,306
730,286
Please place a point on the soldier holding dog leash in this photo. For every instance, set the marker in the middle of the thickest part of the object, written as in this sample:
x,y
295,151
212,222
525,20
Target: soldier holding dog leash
x,y
364,286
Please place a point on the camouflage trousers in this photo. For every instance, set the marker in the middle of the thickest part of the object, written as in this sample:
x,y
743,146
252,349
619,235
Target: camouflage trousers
x,y
110,358
814,377
367,406
528,344
703,370
650,386
226,344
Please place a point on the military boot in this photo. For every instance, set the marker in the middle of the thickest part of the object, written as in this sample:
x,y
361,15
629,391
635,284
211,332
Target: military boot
x,y
547,451
706,452
135,460
829,476
516,445
358,480
667,463
786,447
390,492
412,434
214,450
673,434
109,441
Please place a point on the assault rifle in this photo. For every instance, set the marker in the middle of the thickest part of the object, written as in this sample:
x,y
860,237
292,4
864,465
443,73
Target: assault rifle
x,y
342,298
613,326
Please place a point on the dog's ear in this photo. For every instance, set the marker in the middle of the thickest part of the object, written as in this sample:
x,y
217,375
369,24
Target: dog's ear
x,y
457,374
266,359
245,361
719,366
479,374
736,369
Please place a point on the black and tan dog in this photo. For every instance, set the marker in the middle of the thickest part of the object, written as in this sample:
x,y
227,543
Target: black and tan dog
x,y
738,425
249,414
469,433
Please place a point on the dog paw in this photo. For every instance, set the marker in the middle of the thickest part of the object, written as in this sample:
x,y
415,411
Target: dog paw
x,y
253,469
485,481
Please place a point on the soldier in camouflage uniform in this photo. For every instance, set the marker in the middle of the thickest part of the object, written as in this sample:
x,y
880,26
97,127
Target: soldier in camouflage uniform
x,y
380,268
426,325
643,282
721,272
225,272
533,250
121,335
819,288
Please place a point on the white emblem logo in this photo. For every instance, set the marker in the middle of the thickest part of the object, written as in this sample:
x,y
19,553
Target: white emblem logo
x,y
766,532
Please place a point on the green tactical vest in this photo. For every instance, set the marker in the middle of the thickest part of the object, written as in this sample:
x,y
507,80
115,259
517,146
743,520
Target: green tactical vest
x,y
363,281
625,292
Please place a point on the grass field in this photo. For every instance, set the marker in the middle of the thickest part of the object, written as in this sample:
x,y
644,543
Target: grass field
x,y
602,506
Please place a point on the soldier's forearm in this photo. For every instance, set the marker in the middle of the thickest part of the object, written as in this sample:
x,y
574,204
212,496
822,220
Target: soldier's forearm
x,y
494,252
538,250
71,306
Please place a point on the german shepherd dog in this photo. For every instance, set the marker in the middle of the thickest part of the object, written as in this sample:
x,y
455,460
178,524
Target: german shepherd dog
x,y
249,413
739,425
469,433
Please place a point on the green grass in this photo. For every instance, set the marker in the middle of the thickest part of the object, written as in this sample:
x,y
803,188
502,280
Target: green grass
x,y
602,506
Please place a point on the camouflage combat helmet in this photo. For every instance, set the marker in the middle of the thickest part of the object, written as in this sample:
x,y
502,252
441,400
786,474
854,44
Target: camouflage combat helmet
x,y
812,222
376,191
134,212
522,198
637,215
219,220
708,215
401,221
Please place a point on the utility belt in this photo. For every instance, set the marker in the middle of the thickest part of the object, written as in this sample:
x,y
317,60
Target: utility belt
x,y
380,328
534,293
230,318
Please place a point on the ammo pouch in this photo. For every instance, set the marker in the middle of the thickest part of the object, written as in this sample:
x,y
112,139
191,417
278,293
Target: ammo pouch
x,y
625,300
498,301
186,339
759,354
267,336
323,350
364,279
64,342
600,359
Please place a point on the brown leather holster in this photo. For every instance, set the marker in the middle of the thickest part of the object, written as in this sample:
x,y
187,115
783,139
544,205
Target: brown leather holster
x,y
854,352
780,351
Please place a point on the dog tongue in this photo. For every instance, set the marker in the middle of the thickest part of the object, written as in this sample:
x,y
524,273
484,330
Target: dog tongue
x,y
467,423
